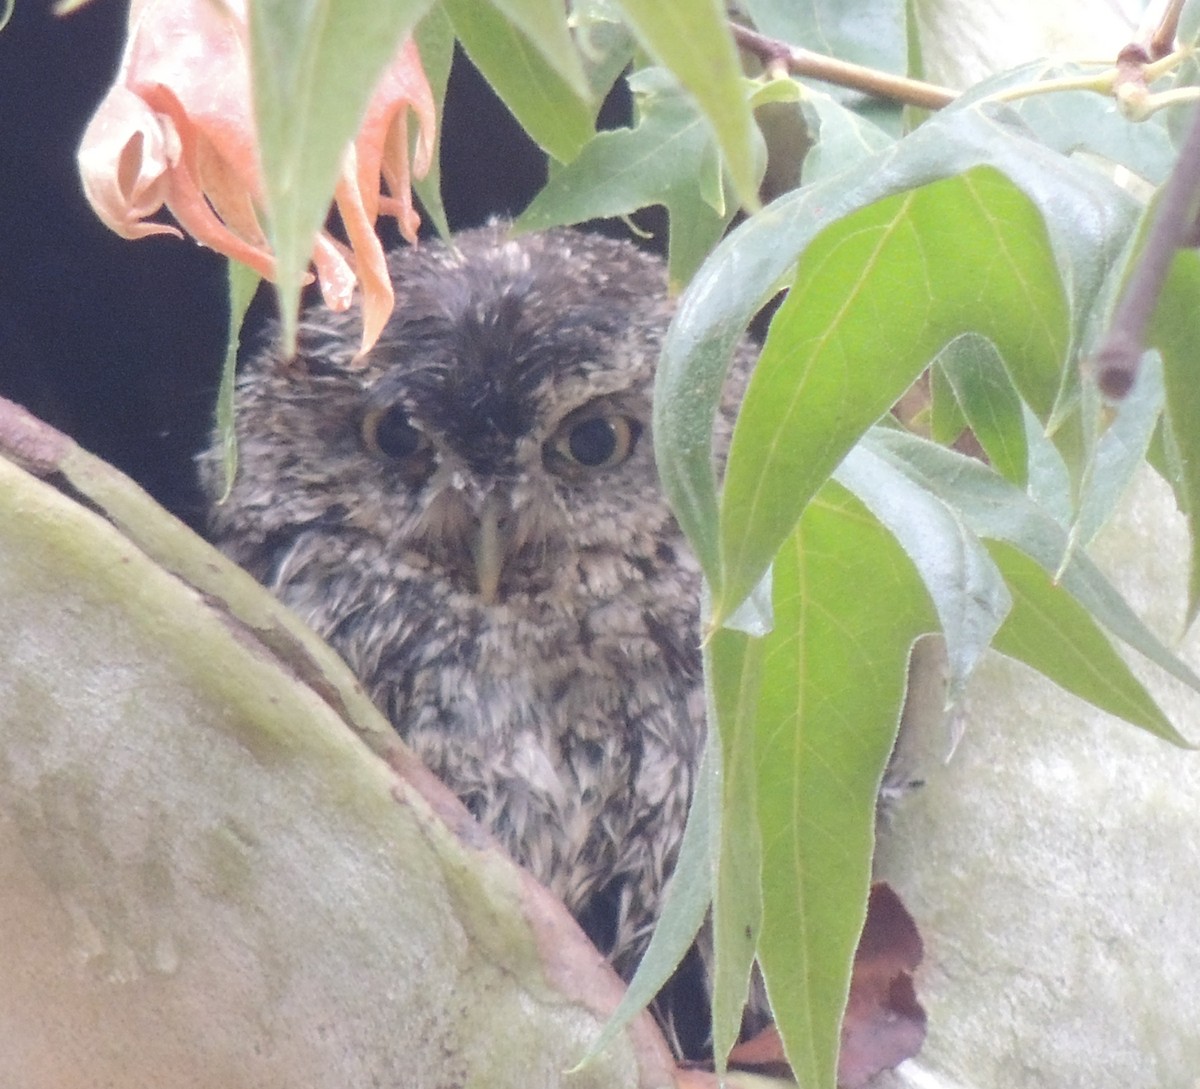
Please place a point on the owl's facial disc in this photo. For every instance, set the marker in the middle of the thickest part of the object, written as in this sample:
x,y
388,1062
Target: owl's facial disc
x,y
486,530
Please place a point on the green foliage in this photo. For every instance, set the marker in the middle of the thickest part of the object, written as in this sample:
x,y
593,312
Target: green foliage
x,y
987,246
243,283
832,687
434,36
668,157
314,65
1176,334
553,108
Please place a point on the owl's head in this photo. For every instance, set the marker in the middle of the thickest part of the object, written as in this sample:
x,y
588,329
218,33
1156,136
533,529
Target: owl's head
x,y
497,435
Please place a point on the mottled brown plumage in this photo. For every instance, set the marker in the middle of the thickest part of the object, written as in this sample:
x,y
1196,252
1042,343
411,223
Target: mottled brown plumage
x,y
471,516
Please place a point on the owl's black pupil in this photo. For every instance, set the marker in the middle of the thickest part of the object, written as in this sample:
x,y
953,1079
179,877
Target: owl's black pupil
x,y
395,436
592,442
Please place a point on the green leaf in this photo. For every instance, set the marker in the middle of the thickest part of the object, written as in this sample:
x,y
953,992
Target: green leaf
x,y
946,419
1088,220
313,66
848,607
833,364
964,584
733,667
1081,121
989,403
1050,631
1175,332
993,508
866,32
243,283
668,159
691,38
544,23
549,108
1120,450
434,36
843,137
1049,484
606,45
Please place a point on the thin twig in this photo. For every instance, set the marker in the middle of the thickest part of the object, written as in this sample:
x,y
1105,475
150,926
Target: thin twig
x,y
1119,356
1160,25
871,81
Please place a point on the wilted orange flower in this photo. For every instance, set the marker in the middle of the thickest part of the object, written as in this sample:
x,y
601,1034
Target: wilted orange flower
x,y
177,128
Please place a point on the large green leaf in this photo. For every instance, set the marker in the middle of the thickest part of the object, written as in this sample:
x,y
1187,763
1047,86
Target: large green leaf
x,y
1050,631
314,65
1088,220
1175,332
993,508
550,108
966,587
733,664
877,297
691,38
848,606
544,23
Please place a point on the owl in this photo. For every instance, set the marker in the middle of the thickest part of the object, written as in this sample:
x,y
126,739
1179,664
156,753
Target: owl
x,y
470,515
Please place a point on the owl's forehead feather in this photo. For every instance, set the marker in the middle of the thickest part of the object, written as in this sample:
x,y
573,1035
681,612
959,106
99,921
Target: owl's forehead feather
x,y
500,321
493,342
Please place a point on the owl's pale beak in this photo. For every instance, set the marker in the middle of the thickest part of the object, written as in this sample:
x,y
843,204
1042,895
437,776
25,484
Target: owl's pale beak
x,y
488,548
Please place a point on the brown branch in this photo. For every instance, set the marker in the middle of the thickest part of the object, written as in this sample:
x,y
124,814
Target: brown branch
x,y
1159,40
871,81
1118,359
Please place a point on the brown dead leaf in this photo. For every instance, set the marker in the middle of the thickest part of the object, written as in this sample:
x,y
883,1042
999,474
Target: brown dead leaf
x,y
884,1023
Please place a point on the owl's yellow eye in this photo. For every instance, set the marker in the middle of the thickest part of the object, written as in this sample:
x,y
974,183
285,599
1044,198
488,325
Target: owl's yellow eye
x,y
594,442
388,432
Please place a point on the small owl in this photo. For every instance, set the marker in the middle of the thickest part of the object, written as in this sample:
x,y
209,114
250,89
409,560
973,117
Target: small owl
x,y
470,515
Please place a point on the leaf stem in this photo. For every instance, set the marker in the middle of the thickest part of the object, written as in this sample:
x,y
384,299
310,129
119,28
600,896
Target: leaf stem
x,y
1117,360
857,77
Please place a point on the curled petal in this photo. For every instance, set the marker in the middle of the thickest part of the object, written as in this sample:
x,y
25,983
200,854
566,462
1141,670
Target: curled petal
x,y
178,129
378,297
223,187
189,204
124,159
395,172
381,150
188,61
335,273
382,142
